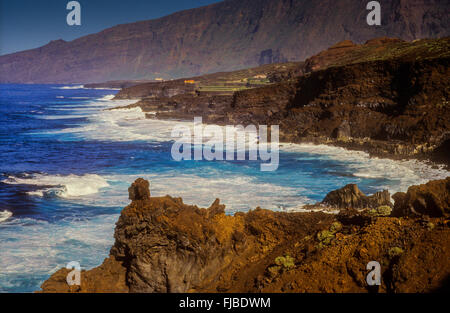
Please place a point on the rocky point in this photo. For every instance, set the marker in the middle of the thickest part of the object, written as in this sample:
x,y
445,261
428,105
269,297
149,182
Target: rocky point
x,y
164,245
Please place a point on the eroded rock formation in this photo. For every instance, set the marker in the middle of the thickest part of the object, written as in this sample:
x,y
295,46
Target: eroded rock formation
x,y
350,197
431,199
164,245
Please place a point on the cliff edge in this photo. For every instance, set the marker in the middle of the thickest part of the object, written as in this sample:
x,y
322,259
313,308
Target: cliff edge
x,y
164,245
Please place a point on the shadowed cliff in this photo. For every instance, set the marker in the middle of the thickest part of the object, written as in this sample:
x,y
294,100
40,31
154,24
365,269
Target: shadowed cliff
x,y
387,97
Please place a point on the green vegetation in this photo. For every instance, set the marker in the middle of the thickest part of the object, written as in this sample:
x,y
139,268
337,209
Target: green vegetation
x,y
229,82
326,236
283,263
335,227
394,252
286,262
229,89
383,210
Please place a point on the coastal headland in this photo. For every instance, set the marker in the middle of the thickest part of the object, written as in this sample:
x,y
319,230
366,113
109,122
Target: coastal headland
x,y
387,97
164,245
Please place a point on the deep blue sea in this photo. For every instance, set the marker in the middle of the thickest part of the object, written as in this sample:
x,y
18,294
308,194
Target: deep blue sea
x,y
66,164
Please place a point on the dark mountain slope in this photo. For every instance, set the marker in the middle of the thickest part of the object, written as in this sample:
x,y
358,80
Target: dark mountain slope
x,y
225,36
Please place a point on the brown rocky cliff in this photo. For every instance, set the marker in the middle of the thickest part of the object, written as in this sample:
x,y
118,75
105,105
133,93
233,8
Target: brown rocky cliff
x,y
387,97
432,199
164,245
385,103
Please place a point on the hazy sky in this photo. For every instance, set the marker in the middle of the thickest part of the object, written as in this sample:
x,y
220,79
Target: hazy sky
x,y
27,24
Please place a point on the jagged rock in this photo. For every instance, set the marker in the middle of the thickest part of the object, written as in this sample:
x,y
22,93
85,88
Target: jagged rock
x,y
139,190
343,132
164,245
173,247
110,277
350,197
432,199
216,208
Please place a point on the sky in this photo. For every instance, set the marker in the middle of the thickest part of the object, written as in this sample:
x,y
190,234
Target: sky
x,y
28,24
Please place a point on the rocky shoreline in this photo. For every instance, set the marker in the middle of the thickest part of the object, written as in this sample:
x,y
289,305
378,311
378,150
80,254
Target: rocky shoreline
x,y
386,97
164,245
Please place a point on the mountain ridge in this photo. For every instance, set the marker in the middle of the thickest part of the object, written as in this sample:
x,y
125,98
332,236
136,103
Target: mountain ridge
x,y
224,36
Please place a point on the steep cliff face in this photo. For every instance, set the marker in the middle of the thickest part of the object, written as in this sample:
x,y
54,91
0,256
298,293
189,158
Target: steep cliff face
x,y
164,245
225,36
388,97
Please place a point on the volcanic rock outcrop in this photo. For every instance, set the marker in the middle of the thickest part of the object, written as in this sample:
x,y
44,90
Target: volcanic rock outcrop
x,y
164,245
139,190
431,199
387,97
350,197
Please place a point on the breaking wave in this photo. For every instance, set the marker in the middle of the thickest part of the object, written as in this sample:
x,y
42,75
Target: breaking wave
x,y
70,87
400,173
4,215
58,185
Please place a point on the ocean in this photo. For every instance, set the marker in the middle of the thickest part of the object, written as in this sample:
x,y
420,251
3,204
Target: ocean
x,y
66,165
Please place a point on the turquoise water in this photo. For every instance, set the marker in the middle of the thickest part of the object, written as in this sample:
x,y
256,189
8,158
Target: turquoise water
x,y
67,163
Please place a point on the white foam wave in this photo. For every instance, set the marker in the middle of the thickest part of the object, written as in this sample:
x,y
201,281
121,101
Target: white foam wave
x,y
300,208
79,109
31,250
130,124
4,215
70,87
62,186
120,125
203,191
107,97
59,117
400,173
104,88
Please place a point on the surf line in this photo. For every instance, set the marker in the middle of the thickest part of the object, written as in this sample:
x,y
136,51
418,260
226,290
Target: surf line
x,y
234,138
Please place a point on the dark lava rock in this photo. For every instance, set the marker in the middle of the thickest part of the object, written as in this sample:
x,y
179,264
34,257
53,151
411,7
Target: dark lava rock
x,y
343,131
350,197
164,245
432,199
139,190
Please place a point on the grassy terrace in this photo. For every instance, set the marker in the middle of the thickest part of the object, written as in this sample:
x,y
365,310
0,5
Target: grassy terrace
x,y
232,86
229,82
